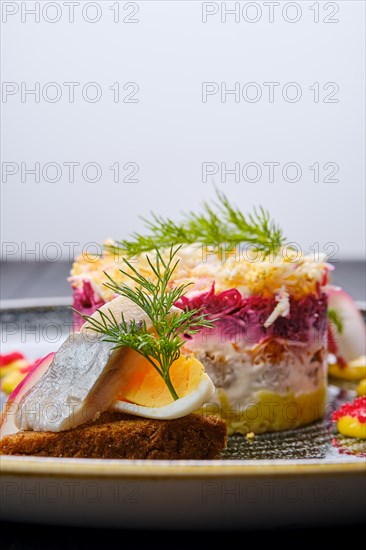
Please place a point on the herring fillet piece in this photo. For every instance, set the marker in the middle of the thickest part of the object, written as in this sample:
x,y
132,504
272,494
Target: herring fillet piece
x,y
83,378
80,382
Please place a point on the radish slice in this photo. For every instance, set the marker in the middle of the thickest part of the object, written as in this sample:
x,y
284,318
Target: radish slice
x,y
351,343
7,424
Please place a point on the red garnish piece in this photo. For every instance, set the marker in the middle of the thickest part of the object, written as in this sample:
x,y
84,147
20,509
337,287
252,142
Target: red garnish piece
x,y
344,448
10,358
357,409
29,367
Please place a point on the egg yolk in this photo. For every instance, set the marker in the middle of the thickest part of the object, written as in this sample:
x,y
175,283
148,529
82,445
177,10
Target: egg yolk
x,y
142,384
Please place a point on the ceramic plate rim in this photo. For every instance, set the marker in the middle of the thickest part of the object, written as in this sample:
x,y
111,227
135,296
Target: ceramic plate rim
x,y
104,468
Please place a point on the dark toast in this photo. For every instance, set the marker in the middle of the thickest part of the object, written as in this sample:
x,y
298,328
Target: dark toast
x,y
122,436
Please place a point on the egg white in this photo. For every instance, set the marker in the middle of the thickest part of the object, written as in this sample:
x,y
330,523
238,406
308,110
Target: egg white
x,y
181,407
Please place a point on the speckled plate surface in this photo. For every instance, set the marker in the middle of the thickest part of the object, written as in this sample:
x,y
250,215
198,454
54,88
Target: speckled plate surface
x,y
274,478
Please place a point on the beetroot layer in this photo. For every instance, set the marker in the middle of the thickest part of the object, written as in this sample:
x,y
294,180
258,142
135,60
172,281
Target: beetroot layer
x,y
239,317
245,317
86,301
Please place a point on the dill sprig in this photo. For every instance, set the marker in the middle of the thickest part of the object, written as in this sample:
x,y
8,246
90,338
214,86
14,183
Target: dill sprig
x,y
217,224
160,346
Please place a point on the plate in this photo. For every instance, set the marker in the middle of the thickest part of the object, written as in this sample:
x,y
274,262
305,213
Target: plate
x,y
297,478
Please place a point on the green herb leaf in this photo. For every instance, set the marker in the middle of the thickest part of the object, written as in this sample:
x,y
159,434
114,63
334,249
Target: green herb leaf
x,y
217,224
335,318
162,346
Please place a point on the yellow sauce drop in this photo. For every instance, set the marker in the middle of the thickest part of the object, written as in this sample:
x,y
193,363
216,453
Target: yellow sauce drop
x,y
11,380
361,388
351,427
354,370
12,367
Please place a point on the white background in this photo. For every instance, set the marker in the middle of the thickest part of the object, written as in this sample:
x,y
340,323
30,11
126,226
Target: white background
x,y
170,132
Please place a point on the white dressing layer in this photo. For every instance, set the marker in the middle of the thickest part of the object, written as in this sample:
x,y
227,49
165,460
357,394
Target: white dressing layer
x,y
242,372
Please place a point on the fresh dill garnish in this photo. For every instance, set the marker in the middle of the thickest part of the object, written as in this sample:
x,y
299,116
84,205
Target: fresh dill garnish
x,y
335,318
160,346
217,224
